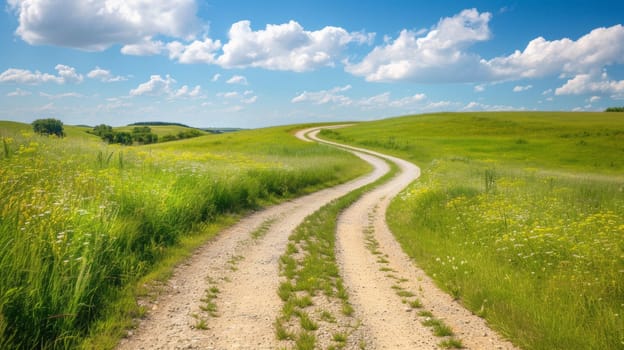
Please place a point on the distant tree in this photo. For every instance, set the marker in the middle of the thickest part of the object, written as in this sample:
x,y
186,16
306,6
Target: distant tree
x,y
615,109
49,126
144,135
124,138
102,129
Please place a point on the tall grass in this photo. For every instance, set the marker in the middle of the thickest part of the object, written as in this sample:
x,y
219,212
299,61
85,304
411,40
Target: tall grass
x,y
528,234
80,220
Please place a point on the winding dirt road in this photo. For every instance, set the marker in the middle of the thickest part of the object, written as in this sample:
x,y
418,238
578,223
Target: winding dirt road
x,y
238,270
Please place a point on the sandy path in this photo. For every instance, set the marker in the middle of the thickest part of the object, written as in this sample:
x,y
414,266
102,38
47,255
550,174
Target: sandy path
x,y
245,272
393,323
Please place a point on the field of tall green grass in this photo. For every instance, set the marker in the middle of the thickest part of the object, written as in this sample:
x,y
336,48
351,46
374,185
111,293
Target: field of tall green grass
x,y
520,216
82,221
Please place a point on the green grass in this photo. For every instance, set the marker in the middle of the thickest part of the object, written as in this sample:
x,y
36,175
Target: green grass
x,y
85,225
518,215
161,130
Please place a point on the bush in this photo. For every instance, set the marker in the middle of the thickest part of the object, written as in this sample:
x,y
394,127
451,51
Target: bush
x,y
615,109
48,126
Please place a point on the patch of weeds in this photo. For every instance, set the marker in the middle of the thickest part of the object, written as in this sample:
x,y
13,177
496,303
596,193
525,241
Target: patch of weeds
x,y
440,329
303,302
262,229
209,305
425,313
307,323
340,337
327,317
386,269
285,290
415,304
234,260
305,341
452,343
282,333
404,293
200,322
347,309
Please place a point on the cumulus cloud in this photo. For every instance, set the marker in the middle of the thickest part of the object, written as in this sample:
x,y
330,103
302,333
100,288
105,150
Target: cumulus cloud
x,y
442,54
520,88
159,86
598,48
287,46
156,86
237,79
64,75
145,47
104,75
438,56
19,92
215,77
185,91
198,51
325,96
335,96
384,101
96,25
591,83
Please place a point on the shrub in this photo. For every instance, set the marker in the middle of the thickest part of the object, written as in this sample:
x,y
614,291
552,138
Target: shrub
x,y
49,126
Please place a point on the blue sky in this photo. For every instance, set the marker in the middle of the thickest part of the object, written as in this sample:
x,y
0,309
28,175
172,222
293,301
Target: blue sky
x,y
253,64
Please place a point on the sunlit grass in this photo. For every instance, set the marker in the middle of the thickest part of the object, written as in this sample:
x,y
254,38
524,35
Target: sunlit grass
x,y
518,215
81,221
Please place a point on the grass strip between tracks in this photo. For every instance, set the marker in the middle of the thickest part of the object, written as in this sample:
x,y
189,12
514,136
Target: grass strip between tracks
x,y
316,308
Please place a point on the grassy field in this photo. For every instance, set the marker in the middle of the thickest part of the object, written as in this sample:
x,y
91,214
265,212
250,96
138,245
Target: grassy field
x,y
518,215
82,221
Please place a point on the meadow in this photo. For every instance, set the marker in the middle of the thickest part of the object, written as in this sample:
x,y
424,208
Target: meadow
x,y
81,222
520,216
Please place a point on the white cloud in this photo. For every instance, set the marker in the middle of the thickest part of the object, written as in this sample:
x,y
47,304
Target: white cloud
x,y
185,91
435,57
230,94
96,25
215,77
477,106
156,86
23,76
325,96
591,83
19,92
104,75
199,51
159,86
285,46
594,99
479,88
383,100
250,100
598,48
441,55
520,88
547,92
144,47
237,79
63,95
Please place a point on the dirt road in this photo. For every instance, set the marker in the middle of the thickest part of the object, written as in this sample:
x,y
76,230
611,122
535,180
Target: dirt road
x,y
225,296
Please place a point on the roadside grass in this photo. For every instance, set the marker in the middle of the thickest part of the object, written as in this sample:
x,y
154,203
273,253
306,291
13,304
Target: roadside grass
x,y
86,228
520,216
310,272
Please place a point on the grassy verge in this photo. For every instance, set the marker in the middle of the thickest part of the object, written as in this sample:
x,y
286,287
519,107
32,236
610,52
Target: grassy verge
x,y
518,215
81,222
316,311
